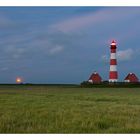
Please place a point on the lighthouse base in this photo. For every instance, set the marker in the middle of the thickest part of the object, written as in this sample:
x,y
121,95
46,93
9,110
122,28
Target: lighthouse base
x,y
113,80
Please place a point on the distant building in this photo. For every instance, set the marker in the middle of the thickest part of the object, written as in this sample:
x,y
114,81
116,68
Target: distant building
x,y
95,78
131,77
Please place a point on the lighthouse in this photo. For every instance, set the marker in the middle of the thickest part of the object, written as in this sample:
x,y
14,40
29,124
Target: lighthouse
x,y
113,74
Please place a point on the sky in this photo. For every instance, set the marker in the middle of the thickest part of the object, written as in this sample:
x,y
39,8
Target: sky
x,y
67,44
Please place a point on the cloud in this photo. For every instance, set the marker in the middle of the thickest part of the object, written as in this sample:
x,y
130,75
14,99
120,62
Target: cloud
x,y
5,21
4,69
122,55
95,18
55,50
125,55
105,58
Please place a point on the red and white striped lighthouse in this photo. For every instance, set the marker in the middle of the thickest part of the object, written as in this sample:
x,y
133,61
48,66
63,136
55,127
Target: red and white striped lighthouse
x,y
113,74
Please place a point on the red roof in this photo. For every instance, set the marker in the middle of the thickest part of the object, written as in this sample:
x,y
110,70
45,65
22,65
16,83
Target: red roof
x,y
131,77
95,78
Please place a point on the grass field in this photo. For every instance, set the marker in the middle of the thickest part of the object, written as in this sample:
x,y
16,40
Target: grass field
x,y
52,109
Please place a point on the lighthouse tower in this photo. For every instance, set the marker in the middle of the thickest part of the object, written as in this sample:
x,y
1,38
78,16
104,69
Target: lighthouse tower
x,y
113,74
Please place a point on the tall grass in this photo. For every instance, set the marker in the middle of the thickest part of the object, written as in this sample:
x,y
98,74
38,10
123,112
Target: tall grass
x,y
52,109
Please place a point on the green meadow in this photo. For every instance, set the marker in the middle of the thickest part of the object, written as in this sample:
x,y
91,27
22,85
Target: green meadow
x,y
68,109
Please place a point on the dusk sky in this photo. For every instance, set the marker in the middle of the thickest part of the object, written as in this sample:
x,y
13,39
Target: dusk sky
x,y
67,44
